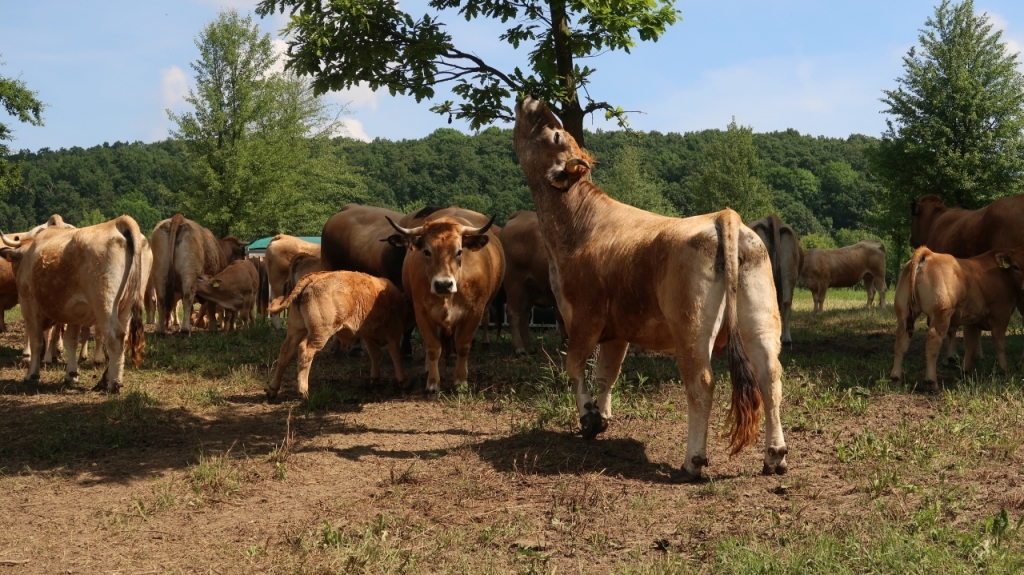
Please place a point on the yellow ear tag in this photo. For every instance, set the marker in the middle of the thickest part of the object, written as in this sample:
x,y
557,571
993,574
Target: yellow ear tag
x,y
216,284
1005,264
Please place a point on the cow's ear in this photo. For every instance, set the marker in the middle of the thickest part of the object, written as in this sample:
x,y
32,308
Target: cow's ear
x,y
396,240
578,169
475,243
11,254
1004,260
913,207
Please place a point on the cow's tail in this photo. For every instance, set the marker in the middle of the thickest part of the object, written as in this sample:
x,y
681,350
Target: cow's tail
x,y
172,237
131,292
745,411
916,261
282,303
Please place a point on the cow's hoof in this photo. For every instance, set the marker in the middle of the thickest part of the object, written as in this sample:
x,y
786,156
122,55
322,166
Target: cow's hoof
x,y
683,475
592,424
779,468
894,378
185,333
32,378
71,378
931,386
522,352
430,394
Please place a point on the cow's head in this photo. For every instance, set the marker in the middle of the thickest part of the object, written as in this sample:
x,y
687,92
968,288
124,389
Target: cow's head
x,y
440,243
14,248
233,249
550,157
923,213
1012,262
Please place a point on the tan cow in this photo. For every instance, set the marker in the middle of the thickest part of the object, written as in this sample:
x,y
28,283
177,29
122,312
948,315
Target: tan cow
x,y
527,284
349,305
681,286
844,267
966,233
182,251
233,291
784,251
280,252
94,275
452,272
979,293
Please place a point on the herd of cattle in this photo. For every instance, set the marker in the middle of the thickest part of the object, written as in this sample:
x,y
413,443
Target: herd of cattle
x,y
614,275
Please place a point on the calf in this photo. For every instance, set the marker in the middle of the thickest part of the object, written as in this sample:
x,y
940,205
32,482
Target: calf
x,y
233,290
451,272
844,267
350,305
978,293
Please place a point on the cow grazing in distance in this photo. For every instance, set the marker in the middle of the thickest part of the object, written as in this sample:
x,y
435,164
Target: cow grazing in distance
x,y
348,305
979,293
784,251
527,283
451,273
281,250
844,267
966,233
182,251
233,290
682,286
80,277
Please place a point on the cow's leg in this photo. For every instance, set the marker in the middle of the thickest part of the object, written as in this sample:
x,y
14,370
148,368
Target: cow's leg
x,y
176,313
606,373
71,334
485,325
880,284
787,311
950,353
819,299
769,381
407,343
904,331
999,340
284,358
938,328
374,351
98,349
54,343
187,301
308,347
34,328
518,309
699,383
463,341
211,316
395,350
869,286
432,345
83,340
113,340
972,341
582,342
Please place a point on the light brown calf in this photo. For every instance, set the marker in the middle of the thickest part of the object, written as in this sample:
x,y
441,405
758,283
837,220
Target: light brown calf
x,y
979,293
233,290
452,272
844,267
682,286
349,305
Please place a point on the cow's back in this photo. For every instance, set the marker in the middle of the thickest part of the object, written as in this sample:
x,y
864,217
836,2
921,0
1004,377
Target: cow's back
x,y
351,242
967,233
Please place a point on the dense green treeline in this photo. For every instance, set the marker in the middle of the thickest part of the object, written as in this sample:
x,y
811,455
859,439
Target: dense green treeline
x,y
821,185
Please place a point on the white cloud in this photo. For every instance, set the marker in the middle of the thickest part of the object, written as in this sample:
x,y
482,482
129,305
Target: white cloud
x,y
236,4
354,129
281,51
173,86
1014,41
359,96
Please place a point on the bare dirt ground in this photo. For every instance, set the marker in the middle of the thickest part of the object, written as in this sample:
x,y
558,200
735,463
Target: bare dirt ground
x,y
189,470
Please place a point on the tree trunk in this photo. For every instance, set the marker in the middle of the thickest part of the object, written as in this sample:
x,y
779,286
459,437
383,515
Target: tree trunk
x,y
569,110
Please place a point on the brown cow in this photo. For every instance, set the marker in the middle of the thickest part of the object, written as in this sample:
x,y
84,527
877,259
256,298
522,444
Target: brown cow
x,y
978,293
233,290
8,291
784,251
351,241
966,233
349,305
527,284
452,273
844,267
280,252
302,265
682,286
182,251
233,249
94,275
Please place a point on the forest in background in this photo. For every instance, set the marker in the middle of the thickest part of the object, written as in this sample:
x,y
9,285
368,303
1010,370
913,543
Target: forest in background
x,y
821,186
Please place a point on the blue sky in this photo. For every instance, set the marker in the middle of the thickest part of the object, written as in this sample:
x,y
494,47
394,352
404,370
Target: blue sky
x,y
108,70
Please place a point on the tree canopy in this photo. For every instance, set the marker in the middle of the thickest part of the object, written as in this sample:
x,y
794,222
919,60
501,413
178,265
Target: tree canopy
x,y
22,103
956,120
341,44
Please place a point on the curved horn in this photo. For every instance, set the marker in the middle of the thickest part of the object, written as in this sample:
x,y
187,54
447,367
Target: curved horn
x,y
478,231
401,230
575,161
9,243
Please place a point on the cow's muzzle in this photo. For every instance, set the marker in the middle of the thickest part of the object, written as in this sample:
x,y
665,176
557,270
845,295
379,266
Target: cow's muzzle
x,y
443,286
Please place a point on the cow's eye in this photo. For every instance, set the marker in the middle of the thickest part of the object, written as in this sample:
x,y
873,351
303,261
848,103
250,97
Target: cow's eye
x,y
426,253
458,253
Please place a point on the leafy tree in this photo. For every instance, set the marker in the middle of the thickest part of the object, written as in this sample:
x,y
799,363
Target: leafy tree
x,y
341,44
627,180
21,103
730,176
957,120
137,206
251,136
